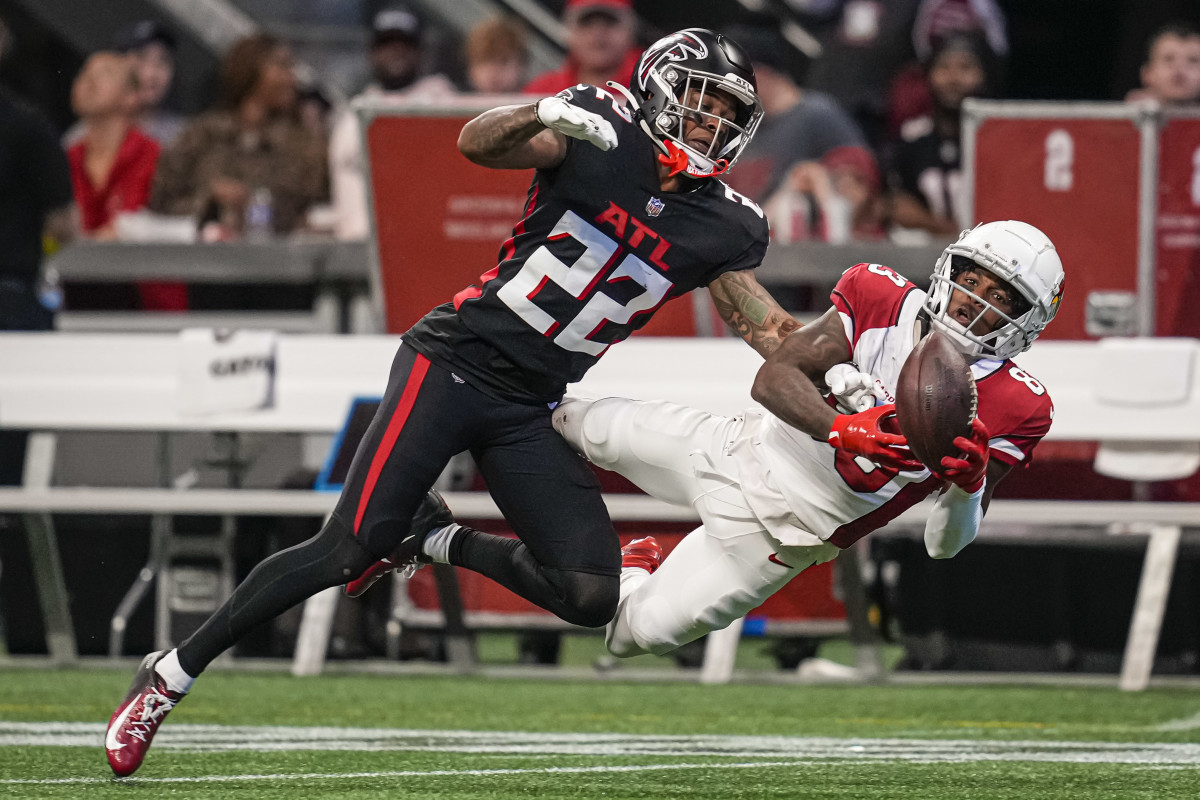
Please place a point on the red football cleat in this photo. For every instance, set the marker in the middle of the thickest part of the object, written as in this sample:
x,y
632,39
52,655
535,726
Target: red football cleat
x,y
643,553
136,720
432,514
365,581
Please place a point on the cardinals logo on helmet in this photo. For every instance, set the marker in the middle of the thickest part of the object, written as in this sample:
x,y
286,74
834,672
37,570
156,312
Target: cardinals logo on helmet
x,y
679,47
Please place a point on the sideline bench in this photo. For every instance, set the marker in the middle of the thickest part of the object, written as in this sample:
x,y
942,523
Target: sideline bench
x,y
60,382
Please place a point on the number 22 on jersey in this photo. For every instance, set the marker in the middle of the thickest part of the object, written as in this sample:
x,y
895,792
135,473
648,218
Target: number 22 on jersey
x,y
581,279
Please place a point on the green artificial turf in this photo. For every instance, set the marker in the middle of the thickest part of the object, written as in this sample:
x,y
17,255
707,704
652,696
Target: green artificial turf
x,y
1019,731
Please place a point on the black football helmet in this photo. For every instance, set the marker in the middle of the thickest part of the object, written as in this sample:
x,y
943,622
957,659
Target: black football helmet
x,y
661,92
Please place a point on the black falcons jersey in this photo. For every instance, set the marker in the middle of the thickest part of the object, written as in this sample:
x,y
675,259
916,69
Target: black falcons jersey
x,y
600,248
927,165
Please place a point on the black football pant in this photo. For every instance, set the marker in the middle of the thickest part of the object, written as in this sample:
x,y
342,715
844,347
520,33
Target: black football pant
x,y
567,558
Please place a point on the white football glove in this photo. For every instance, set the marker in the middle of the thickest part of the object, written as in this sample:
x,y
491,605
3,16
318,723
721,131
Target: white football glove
x,y
854,391
559,115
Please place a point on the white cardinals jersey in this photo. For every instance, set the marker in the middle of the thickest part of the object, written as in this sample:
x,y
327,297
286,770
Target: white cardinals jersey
x,y
801,487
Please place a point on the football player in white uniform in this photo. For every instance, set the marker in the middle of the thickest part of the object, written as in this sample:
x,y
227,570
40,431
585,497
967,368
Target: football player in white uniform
x,y
781,490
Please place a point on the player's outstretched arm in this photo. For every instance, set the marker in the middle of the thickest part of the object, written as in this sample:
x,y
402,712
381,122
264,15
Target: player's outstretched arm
x,y
787,382
996,470
789,385
511,137
751,312
954,520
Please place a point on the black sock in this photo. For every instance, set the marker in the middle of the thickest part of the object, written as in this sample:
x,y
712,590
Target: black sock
x,y
581,598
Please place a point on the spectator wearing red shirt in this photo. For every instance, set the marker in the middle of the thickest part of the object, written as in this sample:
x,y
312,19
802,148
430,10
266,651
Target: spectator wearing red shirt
x,y
113,163
601,46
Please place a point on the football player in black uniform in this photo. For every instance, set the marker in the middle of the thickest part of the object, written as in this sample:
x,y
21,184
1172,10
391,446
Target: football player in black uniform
x,y
623,214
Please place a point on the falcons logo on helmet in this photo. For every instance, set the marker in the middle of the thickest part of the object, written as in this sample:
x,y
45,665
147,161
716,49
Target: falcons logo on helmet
x,y
673,48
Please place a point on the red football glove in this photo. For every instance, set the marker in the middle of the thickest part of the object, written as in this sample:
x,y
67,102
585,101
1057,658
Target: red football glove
x,y
863,434
969,471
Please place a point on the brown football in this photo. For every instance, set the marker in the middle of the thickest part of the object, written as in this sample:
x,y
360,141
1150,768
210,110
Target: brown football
x,y
935,399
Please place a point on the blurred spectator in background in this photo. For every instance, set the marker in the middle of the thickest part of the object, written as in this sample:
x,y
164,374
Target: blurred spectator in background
x,y
153,47
1171,72
910,96
112,164
112,170
497,56
396,52
925,176
837,200
865,44
601,46
314,107
36,212
247,167
798,125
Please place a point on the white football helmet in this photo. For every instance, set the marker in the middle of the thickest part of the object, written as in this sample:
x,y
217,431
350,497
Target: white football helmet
x,y
1018,254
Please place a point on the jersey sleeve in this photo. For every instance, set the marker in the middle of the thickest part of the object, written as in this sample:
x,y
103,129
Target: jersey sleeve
x,y
753,222
869,296
1018,412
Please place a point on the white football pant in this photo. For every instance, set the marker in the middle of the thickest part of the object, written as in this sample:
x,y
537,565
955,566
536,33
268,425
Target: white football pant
x,y
718,572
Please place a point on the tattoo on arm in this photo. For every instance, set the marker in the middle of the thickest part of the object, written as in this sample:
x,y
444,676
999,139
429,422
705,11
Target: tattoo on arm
x,y
498,138
750,311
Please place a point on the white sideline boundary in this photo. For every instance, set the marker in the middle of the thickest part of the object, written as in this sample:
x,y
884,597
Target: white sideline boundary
x,y
763,751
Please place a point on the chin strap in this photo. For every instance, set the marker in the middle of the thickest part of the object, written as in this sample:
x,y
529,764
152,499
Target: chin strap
x,y
672,154
677,159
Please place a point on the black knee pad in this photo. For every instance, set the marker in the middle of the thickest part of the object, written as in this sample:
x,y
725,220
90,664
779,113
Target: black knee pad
x,y
590,600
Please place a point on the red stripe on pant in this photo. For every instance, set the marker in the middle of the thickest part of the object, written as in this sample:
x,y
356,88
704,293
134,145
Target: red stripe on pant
x,y
396,424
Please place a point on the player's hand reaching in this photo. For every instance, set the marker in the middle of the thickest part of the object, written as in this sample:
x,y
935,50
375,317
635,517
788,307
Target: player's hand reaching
x,y
557,114
854,391
863,434
969,471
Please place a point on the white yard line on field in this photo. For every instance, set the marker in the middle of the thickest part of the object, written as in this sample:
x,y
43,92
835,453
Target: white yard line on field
x,y
1183,724
768,751
433,773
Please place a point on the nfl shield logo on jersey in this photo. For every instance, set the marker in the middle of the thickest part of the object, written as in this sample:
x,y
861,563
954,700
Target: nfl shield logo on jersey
x,y
654,207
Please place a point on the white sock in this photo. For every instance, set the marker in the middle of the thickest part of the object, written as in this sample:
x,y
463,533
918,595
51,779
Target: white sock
x,y
169,670
437,543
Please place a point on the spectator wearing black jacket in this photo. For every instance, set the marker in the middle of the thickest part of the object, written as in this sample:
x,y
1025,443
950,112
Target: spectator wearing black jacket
x,y
36,204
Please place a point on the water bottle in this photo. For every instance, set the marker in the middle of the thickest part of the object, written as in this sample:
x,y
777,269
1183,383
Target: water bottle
x,y
259,214
50,293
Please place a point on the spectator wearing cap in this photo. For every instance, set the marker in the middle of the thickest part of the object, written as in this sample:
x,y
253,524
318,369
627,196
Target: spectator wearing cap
x,y
798,125
395,58
497,55
250,145
1171,72
601,46
152,47
925,173
910,96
